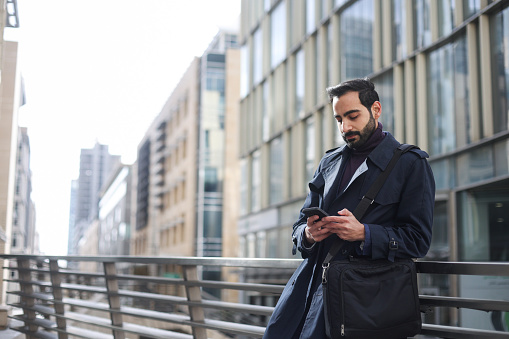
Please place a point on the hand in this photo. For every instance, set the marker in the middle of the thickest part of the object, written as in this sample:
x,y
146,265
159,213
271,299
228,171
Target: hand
x,y
345,225
315,230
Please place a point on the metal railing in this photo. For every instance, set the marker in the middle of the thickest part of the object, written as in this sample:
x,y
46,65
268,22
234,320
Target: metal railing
x,y
164,297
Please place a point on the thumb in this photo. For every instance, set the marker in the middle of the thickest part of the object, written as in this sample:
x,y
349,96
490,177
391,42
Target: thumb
x,y
345,212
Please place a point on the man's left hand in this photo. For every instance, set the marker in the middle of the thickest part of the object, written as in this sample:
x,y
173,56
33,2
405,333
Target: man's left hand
x,y
345,225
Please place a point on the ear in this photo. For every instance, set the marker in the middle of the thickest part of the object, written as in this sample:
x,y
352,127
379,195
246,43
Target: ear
x,y
376,109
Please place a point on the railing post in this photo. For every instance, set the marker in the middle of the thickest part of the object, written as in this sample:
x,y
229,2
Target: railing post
x,y
26,287
194,294
110,273
56,280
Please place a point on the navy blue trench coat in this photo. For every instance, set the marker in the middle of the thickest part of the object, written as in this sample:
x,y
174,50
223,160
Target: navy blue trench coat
x,y
403,210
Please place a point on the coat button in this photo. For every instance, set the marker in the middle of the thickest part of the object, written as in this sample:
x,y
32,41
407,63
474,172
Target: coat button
x,y
344,251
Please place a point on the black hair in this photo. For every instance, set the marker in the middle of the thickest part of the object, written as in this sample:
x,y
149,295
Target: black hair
x,y
366,89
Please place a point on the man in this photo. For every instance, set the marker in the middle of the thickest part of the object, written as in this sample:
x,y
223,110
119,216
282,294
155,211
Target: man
x,y
396,225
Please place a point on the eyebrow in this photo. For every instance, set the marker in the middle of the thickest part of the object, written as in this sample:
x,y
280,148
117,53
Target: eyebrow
x,y
347,113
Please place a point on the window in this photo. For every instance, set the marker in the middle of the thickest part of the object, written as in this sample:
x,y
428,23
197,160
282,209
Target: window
x,y
445,17
356,32
310,148
278,35
243,187
319,87
500,62
448,97
256,179
399,29
330,60
470,7
257,56
299,83
384,87
310,16
266,111
276,171
244,70
483,223
422,23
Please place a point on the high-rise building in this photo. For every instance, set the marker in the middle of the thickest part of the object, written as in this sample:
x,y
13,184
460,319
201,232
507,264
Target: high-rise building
x,y
180,166
11,98
442,71
96,165
23,225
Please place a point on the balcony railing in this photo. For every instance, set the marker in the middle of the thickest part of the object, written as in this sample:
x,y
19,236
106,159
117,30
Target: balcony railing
x,y
164,297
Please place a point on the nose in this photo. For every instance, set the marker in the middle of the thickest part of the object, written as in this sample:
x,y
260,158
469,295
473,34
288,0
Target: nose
x,y
345,127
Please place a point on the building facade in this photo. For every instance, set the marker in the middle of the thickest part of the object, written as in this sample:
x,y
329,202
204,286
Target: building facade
x,y
11,98
23,224
96,165
115,213
180,167
441,69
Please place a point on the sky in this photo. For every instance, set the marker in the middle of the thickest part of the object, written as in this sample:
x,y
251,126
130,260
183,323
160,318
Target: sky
x,y
100,71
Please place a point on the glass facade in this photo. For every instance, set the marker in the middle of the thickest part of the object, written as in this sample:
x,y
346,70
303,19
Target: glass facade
x,y
278,35
448,110
300,87
399,29
276,169
384,86
257,57
356,36
442,74
422,23
310,16
500,53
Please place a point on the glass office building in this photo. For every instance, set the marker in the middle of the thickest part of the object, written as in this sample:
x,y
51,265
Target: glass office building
x,y
441,68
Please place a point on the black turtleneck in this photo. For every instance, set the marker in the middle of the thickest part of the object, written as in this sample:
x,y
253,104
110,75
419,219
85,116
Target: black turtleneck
x,y
357,156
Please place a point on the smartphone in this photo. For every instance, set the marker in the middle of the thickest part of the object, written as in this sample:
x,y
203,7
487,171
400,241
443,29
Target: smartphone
x,y
310,211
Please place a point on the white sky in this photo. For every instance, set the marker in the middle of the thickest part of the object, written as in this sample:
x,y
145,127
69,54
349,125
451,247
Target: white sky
x,y
100,70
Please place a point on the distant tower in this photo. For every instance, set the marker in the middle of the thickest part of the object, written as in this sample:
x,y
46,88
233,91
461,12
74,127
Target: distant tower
x,y
95,167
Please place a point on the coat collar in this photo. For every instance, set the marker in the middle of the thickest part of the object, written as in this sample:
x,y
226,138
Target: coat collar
x,y
335,158
382,154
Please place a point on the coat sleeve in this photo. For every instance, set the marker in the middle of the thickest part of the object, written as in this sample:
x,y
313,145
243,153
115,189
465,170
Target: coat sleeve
x,y
409,236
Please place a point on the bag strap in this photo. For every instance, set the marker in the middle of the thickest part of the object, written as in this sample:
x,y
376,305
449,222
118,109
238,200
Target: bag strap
x,y
369,197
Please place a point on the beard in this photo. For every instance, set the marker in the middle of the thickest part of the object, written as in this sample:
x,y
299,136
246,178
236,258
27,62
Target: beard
x,y
364,134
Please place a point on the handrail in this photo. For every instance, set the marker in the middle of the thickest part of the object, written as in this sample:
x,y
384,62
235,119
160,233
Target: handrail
x,y
60,302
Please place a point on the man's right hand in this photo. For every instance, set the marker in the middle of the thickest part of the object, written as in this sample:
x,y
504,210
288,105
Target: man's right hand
x,y
315,230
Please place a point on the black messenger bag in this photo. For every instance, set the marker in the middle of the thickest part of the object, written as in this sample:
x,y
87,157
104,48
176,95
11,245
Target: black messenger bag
x,y
371,299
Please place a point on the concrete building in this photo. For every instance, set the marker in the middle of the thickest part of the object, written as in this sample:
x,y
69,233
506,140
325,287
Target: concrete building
x,y
23,225
180,166
442,70
96,165
11,98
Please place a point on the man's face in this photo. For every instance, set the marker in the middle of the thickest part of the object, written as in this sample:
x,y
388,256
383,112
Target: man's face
x,y
355,122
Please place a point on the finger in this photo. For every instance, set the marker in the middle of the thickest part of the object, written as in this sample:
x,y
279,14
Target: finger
x,y
345,212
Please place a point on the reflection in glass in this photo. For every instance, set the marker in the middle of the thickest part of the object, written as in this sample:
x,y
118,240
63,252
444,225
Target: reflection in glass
x,y
422,23
278,35
483,224
399,47
276,171
256,178
310,148
356,34
384,86
299,83
447,97
500,53
445,16
475,165
310,16
257,56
